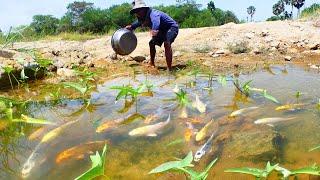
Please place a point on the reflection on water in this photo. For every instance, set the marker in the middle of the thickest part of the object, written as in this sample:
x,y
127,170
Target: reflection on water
x,y
239,142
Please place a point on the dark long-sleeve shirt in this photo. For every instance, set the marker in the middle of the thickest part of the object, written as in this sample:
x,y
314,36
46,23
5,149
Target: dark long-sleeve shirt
x,y
158,21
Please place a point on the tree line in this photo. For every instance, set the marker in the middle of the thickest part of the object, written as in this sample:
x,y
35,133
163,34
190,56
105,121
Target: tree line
x,y
84,17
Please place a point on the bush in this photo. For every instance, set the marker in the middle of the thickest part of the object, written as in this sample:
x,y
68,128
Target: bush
x,y
312,11
239,47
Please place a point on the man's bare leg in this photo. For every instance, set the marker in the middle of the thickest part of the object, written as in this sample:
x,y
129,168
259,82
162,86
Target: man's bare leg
x,y
168,52
152,53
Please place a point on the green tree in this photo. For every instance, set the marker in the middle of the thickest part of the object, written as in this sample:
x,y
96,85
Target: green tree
x,y
95,21
290,3
298,4
120,16
211,6
77,8
278,8
66,24
44,24
251,10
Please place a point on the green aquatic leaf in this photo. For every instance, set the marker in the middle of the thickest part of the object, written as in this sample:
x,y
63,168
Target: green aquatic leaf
x,y
315,148
271,98
29,120
204,174
258,173
182,98
97,167
9,113
178,141
222,80
186,162
285,172
76,86
313,170
246,170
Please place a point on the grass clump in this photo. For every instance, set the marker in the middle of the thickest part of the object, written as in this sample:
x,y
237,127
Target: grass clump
x,y
311,12
202,49
71,37
239,47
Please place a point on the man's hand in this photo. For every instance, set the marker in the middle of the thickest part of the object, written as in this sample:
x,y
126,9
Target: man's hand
x,y
129,27
154,32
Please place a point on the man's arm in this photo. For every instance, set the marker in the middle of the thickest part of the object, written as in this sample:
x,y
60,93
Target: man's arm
x,y
133,26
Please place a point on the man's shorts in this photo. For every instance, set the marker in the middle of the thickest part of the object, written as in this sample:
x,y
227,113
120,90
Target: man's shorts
x,y
163,36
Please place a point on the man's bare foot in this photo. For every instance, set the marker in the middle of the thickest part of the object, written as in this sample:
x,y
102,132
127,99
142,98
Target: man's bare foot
x,y
151,65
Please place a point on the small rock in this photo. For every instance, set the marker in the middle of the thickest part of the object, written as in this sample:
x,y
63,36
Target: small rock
x,y
256,51
317,23
287,58
215,55
275,44
177,54
249,35
293,50
314,46
211,53
268,39
264,33
7,53
139,58
66,73
222,51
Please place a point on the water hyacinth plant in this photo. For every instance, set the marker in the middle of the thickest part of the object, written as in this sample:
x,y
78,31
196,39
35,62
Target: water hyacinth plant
x,y
264,173
97,167
184,166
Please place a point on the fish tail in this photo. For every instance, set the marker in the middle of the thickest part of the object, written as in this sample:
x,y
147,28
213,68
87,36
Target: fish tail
x,y
169,118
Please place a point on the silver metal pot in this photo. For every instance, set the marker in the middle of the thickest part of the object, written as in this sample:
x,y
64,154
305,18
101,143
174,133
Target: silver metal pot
x,y
124,41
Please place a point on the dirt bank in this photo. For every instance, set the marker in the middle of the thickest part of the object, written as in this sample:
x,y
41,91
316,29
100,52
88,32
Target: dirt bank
x,y
220,48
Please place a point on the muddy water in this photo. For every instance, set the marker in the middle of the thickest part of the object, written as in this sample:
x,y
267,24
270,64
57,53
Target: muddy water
x,y
133,157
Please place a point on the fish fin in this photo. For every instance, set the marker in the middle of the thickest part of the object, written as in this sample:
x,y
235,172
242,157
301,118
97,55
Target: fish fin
x,y
271,125
152,135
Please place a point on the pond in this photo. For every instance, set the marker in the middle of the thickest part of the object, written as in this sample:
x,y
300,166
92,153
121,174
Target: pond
x,y
48,150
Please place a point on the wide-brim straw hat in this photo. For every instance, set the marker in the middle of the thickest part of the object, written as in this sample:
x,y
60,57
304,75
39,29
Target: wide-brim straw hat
x,y
138,4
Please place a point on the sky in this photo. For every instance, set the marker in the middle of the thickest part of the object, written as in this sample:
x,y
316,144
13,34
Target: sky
x,y
20,12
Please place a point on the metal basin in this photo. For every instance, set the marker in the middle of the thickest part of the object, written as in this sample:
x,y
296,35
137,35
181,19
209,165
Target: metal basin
x,y
124,41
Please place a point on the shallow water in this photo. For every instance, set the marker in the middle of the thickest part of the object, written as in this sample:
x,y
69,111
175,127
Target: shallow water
x,y
133,157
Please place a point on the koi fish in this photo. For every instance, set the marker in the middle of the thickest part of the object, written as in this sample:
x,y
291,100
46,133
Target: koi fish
x,y
105,126
35,155
202,134
205,148
199,105
55,132
183,113
176,89
150,130
78,152
290,107
272,120
36,134
241,111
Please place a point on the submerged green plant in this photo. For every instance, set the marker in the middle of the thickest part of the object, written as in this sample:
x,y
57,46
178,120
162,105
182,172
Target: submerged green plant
x,y
243,88
8,70
129,91
258,173
182,98
97,167
222,79
264,173
315,148
184,166
271,98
